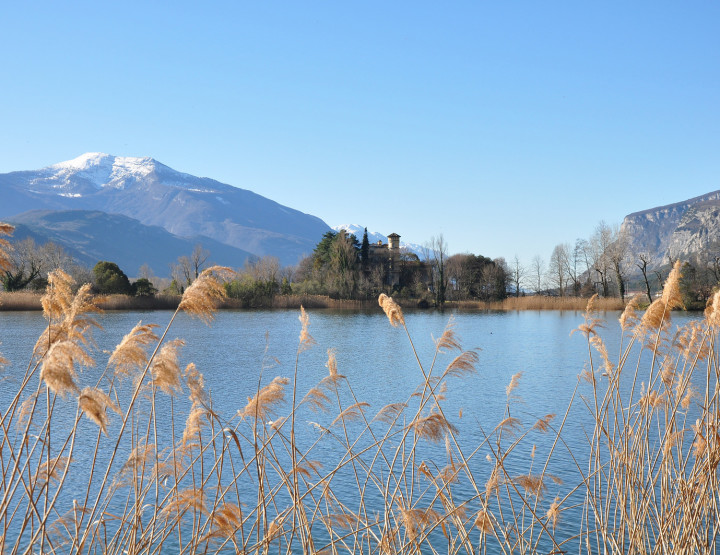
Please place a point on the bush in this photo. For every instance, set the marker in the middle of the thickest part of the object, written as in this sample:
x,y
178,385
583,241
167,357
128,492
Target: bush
x,y
251,292
110,279
143,287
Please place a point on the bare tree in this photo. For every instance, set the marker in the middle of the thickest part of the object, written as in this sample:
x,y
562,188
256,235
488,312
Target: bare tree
x,y
198,258
618,255
438,254
186,269
714,260
578,265
558,268
181,274
26,264
54,257
288,273
145,271
457,276
538,272
583,254
517,275
599,246
265,269
642,263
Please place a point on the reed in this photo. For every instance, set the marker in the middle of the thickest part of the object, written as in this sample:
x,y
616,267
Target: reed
x,y
541,302
125,302
20,300
394,479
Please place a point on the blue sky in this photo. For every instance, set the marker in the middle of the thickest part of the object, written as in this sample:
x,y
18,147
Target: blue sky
x,y
508,127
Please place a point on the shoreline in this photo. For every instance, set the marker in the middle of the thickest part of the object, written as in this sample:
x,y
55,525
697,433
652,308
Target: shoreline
x,y
31,301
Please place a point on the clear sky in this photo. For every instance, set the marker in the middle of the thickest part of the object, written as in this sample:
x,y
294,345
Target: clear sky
x,y
508,127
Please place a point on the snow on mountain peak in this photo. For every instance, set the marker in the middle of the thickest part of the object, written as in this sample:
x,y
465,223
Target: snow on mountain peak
x,y
102,169
85,161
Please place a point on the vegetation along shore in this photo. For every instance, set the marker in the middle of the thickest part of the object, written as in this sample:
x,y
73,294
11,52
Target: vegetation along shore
x,y
26,300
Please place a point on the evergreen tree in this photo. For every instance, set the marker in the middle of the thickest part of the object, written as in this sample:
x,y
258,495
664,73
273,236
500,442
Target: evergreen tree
x,y
143,287
110,279
365,250
321,254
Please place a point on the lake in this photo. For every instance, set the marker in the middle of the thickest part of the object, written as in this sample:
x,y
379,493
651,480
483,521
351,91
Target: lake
x,y
381,368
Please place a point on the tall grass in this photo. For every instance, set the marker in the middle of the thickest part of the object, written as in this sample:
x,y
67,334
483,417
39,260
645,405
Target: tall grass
x,y
541,302
397,480
21,300
29,300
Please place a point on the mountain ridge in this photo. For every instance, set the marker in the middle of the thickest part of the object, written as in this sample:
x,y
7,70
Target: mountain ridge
x,y
155,194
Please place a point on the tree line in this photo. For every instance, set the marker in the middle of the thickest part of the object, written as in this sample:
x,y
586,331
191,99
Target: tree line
x,y
608,264
340,267
343,267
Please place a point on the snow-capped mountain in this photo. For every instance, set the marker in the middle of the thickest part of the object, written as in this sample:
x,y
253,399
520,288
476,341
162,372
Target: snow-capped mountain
x,y
98,170
155,194
374,237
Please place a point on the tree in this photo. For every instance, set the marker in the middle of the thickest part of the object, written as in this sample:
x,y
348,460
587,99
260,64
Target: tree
x,y
321,254
143,287
538,272
642,263
558,268
285,287
600,244
343,265
146,272
574,265
458,268
188,268
517,275
713,250
335,264
25,265
198,258
265,269
110,279
495,280
365,250
617,254
439,252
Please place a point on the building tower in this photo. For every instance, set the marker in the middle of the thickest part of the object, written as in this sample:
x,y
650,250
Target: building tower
x,y
394,242
394,259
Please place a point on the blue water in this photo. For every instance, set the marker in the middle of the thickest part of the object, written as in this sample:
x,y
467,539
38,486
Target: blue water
x,y
380,365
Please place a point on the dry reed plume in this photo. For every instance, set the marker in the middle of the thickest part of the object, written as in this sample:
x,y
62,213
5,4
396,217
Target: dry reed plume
x,y
392,310
203,296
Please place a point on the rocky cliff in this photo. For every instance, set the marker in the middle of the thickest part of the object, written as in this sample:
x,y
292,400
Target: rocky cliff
x,y
676,230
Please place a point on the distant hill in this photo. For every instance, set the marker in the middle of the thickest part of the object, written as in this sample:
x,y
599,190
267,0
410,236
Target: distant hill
x,y
677,230
90,236
156,195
